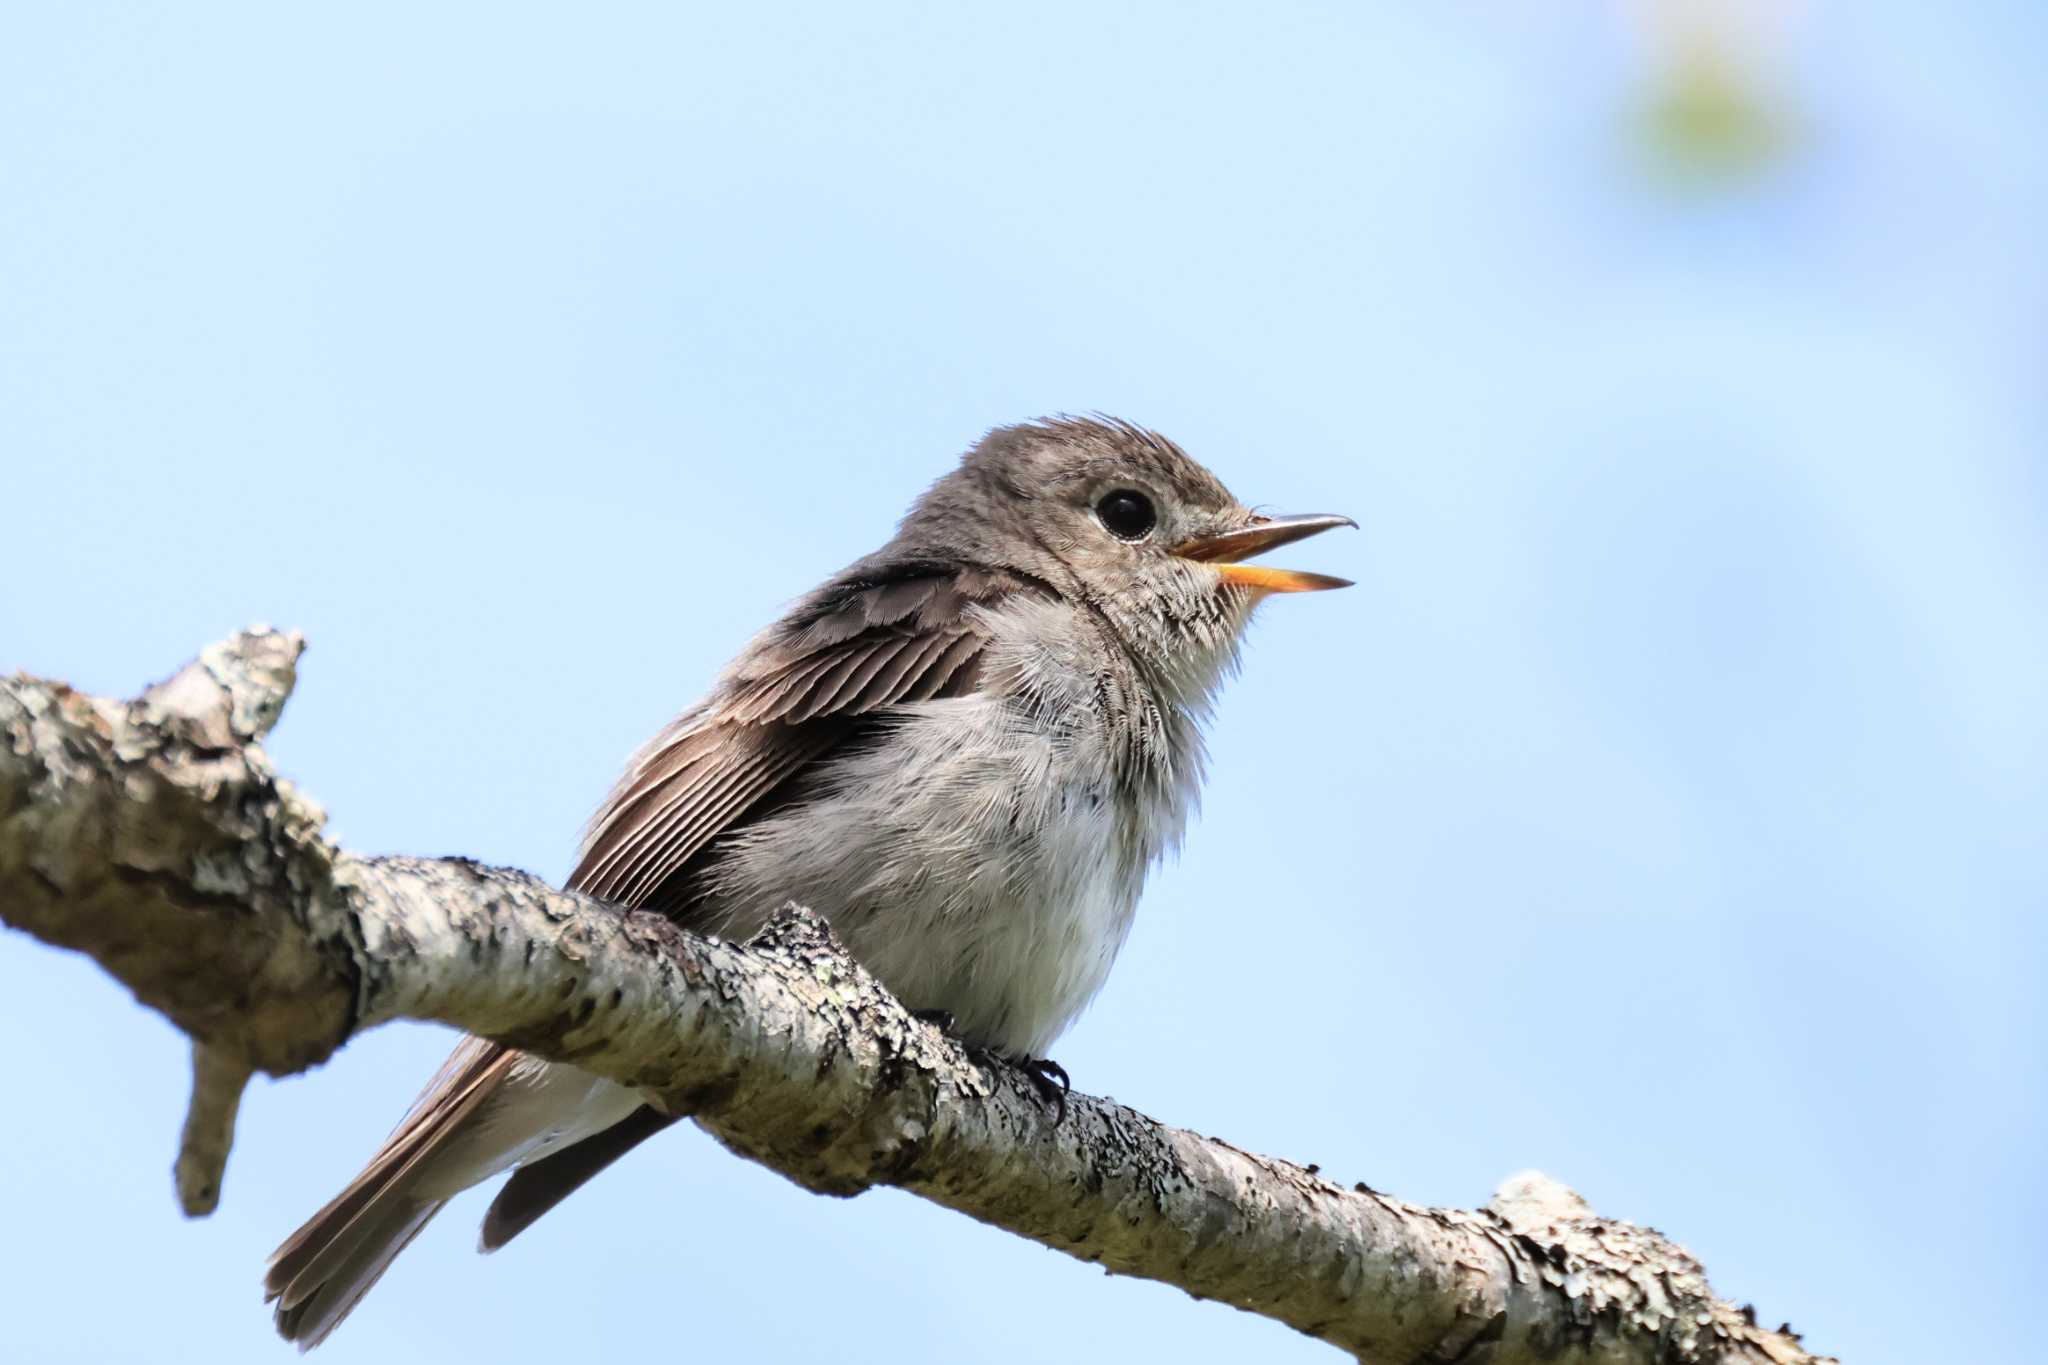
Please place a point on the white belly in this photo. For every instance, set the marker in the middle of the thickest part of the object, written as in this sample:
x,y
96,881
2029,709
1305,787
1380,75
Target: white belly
x,y
1014,958
973,860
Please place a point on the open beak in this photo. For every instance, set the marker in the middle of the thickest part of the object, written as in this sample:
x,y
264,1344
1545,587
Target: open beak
x,y
1228,551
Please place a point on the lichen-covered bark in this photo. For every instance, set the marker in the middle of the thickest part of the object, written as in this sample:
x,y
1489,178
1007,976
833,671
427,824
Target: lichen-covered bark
x,y
154,836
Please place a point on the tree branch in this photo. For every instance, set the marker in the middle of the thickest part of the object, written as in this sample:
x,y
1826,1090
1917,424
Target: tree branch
x,y
154,836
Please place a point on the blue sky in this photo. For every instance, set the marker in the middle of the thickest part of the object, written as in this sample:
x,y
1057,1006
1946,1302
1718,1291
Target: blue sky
x,y
1663,809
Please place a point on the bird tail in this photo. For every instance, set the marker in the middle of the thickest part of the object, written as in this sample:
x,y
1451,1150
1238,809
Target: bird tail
x,y
324,1269
490,1108
340,1265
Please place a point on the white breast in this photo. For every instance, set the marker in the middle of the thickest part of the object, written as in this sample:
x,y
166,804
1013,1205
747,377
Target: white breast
x,y
1025,890
970,859
984,854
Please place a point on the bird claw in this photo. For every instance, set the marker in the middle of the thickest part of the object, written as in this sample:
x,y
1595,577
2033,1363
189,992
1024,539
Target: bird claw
x,y
1049,1081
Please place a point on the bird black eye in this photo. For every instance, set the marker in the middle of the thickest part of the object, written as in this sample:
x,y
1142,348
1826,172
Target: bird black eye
x,y
1126,514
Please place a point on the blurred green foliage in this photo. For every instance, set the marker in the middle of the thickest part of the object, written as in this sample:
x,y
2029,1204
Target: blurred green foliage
x,y
1708,121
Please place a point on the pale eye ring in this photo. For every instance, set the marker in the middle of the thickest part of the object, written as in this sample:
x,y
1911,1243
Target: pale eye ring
x,y
1126,514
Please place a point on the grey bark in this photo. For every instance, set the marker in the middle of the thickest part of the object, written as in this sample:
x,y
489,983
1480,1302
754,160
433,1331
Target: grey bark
x,y
155,836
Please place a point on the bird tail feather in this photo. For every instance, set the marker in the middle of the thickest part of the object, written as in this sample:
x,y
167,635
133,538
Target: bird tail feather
x,y
323,1270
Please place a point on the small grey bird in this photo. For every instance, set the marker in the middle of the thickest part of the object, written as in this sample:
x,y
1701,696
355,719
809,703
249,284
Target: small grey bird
x,y
965,751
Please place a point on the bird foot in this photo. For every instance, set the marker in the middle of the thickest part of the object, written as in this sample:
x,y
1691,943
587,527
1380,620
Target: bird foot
x,y
1048,1079
1050,1083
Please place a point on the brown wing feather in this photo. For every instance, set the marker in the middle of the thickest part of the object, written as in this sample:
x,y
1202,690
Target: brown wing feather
x,y
880,634
870,640
786,703
669,810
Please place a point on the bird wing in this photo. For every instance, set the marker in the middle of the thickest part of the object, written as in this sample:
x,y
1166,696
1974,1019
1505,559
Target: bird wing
x,y
868,641
882,634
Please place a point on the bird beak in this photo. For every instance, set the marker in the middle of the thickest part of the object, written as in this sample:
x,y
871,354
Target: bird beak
x,y
1227,551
